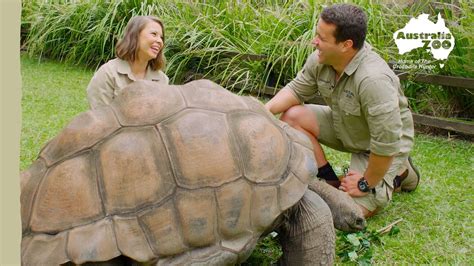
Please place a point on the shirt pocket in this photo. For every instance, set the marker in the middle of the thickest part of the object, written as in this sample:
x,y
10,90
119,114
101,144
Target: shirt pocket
x,y
325,89
353,123
350,108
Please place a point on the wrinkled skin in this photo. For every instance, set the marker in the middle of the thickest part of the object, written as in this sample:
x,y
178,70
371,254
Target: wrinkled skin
x,y
306,234
346,214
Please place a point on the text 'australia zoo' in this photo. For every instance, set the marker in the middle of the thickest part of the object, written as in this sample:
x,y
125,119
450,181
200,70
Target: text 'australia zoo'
x,y
437,40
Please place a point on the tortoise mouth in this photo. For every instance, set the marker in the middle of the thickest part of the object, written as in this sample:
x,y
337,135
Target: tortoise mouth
x,y
359,224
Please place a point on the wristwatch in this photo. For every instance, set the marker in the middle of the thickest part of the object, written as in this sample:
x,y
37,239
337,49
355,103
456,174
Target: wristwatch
x,y
363,185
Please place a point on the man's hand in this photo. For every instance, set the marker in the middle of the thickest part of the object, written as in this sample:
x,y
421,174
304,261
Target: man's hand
x,y
376,169
349,184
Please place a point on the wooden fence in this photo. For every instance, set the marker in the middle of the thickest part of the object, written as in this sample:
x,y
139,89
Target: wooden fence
x,y
430,121
436,122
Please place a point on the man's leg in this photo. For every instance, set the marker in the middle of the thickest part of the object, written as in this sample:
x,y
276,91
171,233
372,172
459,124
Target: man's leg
x,y
316,122
376,200
302,119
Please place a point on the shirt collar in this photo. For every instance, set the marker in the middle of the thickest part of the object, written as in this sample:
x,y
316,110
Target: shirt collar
x,y
153,75
124,68
355,62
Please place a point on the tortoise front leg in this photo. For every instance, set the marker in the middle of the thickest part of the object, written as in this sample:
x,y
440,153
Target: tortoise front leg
x,y
306,233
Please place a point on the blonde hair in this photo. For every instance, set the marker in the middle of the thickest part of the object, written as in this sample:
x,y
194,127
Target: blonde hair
x,y
127,48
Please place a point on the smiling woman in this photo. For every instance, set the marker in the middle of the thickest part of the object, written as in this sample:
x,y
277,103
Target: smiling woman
x,y
139,56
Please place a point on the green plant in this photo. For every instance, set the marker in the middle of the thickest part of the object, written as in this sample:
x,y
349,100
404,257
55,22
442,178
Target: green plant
x,y
358,247
267,252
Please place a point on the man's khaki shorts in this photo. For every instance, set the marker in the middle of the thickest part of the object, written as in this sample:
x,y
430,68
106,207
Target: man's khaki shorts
x,y
359,161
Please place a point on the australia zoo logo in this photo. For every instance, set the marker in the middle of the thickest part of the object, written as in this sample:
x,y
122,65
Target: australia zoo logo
x,y
421,33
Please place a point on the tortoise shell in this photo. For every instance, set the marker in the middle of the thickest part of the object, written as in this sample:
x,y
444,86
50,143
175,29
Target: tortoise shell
x,y
167,173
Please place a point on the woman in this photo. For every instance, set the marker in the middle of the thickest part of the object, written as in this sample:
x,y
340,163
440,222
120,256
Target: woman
x,y
139,56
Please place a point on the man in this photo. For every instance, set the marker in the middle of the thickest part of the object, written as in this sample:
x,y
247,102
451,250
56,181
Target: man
x,y
366,114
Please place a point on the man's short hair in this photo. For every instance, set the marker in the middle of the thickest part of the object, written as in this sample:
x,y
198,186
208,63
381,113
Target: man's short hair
x,y
350,21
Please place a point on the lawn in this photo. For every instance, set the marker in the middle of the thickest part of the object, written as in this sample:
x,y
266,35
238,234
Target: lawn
x,y
437,224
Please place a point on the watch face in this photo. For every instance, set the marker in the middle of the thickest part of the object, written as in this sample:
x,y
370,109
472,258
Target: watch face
x,y
363,185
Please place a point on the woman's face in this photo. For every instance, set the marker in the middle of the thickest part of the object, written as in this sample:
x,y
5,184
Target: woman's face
x,y
150,41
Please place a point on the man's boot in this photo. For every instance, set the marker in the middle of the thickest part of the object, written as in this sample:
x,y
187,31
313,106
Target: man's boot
x,y
409,179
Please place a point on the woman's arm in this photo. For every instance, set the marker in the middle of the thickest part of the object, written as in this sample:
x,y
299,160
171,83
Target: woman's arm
x,y
100,91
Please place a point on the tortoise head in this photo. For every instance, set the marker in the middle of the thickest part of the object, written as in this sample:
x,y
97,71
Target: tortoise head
x,y
347,215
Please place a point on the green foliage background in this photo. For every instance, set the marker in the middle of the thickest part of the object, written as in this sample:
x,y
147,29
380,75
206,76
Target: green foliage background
x,y
212,38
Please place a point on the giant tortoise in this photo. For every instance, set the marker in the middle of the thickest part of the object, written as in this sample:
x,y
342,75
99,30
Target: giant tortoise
x,y
188,174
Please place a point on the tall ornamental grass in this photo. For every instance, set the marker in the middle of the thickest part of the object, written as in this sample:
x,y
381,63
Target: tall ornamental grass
x,y
215,38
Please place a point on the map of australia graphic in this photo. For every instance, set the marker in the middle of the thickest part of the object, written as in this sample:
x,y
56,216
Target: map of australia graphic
x,y
420,32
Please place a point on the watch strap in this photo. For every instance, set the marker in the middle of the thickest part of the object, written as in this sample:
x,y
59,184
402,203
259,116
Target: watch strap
x,y
369,189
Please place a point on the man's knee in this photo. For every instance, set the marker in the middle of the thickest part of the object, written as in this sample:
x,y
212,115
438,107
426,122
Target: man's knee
x,y
371,204
291,115
300,116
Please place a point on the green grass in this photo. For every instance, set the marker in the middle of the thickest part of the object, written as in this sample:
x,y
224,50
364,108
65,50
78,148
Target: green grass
x,y
438,217
52,95
437,224
438,221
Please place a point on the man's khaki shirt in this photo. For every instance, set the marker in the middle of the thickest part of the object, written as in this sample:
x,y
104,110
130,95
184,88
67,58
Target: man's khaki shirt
x,y
112,77
369,109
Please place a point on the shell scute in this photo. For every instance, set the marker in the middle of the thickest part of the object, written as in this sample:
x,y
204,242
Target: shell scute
x,y
92,242
131,239
265,207
302,163
205,94
200,148
197,212
162,227
261,144
234,203
29,182
291,191
42,249
82,132
135,170
68,196
141,103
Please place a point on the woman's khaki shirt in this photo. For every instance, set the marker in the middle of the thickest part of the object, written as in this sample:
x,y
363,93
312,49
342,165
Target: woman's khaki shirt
x,y
112,77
